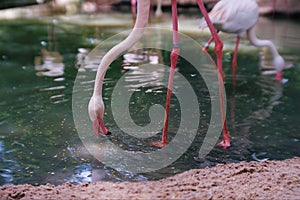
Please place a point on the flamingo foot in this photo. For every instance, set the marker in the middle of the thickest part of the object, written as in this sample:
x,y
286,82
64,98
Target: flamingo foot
x,y
159,144
226,137
224,143
98,124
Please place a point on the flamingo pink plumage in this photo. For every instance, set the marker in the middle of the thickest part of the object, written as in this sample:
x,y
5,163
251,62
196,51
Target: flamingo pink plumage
x,y
239,16
96,106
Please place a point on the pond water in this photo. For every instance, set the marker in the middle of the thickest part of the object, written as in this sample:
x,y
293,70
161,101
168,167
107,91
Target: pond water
x,y
40,58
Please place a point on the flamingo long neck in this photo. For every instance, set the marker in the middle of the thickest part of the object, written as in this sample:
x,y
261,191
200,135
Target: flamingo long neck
x,y
262,43
143,9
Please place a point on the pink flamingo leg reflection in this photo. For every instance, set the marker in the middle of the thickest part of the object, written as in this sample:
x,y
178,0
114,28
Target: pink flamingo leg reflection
x,y
234,59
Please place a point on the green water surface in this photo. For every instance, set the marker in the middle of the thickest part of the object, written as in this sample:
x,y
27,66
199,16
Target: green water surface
x,y
39,61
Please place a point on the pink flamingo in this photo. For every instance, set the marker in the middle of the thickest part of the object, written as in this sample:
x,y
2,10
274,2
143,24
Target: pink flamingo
x,y
96,106
239,16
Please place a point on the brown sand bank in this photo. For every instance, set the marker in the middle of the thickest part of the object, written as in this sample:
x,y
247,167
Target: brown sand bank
x,y
245,180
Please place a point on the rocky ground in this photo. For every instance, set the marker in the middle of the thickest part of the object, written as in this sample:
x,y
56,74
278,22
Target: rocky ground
x,y
245,180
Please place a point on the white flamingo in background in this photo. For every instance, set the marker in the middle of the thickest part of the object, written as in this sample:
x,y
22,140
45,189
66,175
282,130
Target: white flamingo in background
x,y
239,16
96,106
158,12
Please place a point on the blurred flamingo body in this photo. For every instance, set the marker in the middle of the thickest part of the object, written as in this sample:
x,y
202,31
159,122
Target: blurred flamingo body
x,y
158,12
234,16
239,16
96,105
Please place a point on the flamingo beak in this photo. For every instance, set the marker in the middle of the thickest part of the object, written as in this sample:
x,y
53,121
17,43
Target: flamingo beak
x,y
278,76
99,124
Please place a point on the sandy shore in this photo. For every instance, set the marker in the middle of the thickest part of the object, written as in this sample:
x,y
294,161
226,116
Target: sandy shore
x,y
245,180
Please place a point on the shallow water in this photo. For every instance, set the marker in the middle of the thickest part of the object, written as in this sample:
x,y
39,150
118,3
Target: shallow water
x,y
39,61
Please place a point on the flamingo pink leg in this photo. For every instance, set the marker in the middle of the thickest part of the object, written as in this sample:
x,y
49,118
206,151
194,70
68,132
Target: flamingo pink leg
x,y
211,39
174,58
133,8
218,51
234,59
208,43
216,38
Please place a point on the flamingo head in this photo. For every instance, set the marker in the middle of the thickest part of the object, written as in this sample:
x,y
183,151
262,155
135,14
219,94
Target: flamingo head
x,y
278,64
96,113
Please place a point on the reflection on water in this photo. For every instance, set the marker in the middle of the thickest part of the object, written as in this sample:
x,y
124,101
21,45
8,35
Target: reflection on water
x,y
38,140
143,77
7,172
49,64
